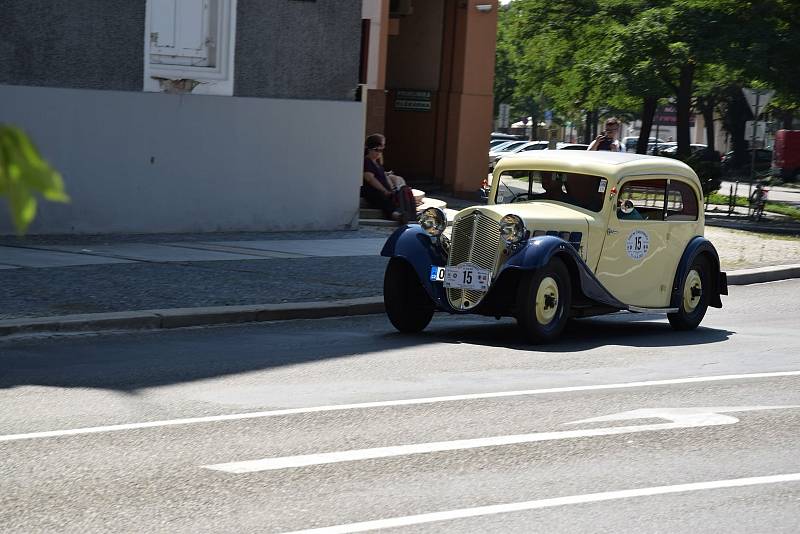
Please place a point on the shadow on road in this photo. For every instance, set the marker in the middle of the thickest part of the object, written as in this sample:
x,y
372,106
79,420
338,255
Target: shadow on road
x,y
130,362
624,329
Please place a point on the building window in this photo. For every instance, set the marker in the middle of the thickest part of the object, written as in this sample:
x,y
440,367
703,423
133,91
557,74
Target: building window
x,y
189,46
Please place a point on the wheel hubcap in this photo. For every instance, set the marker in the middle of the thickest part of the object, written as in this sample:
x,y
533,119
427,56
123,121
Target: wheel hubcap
x,y
692,291
546,300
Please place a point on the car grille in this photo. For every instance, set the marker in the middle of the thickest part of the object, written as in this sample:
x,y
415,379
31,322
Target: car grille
x,y
476,239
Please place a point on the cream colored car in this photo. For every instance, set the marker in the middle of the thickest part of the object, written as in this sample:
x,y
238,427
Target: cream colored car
x,y
565,234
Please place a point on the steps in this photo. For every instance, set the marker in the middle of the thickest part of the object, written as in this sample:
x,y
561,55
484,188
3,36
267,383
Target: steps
x,y
374,217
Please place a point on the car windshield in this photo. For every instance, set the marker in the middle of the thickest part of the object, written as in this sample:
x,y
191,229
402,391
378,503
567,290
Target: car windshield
x,y
581,190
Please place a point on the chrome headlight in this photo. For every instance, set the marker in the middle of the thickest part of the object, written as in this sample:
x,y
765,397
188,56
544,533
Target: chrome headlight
x,y
512,230
433,221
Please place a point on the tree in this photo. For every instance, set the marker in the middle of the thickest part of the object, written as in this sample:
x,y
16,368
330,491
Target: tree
x,y
625,56
23,173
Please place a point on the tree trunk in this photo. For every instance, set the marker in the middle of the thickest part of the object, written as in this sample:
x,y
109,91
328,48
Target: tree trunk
x,y
684,105
649,106
591,122
706,105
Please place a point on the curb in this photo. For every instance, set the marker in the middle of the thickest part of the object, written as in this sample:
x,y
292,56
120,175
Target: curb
x,y
762,228
183,317
744,277
215,315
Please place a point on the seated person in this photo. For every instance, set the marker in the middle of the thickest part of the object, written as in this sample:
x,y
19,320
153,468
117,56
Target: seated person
x,y
626,210
379,187
553,189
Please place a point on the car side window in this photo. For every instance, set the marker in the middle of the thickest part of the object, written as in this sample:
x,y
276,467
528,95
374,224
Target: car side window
x,y
681,202
647,198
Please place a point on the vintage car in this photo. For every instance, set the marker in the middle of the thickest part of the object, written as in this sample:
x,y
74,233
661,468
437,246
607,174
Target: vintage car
x,y
565,234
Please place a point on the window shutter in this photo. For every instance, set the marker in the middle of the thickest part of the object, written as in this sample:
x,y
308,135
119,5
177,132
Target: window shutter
x,y
181,32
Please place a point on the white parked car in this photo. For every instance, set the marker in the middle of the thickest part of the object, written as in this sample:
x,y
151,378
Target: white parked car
x,y
518,149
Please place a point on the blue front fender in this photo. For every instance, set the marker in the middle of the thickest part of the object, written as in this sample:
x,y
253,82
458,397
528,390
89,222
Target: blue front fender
x,y
414,245
537,252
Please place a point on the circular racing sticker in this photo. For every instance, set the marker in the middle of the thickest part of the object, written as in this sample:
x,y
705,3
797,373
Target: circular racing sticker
x,y
637,244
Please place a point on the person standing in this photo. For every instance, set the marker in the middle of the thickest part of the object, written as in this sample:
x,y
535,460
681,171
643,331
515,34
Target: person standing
x,y
607,140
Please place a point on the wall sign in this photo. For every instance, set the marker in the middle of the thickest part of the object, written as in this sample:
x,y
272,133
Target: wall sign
x,y
408,100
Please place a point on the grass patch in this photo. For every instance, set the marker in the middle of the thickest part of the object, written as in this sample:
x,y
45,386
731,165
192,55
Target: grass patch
x,y
772,207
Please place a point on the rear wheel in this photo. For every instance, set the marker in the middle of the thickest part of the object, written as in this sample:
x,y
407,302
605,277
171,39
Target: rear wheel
x,y
695,289
408,306
543,302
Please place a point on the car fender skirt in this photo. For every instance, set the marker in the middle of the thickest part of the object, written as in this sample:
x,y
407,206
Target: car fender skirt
x,y
414,245
538,251
719,281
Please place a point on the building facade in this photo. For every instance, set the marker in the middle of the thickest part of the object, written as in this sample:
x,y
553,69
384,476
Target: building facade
x,y
175,116
430,74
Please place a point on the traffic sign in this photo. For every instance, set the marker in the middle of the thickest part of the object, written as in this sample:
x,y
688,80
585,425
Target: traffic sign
x,y
503,112
757,99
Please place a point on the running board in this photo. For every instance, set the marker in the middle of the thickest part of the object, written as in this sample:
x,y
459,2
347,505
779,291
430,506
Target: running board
x,y
637,309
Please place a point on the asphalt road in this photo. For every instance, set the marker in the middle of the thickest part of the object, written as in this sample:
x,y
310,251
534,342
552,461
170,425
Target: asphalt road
x,y
622,426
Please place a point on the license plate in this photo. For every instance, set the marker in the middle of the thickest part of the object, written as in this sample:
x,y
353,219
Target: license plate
x,y
462,276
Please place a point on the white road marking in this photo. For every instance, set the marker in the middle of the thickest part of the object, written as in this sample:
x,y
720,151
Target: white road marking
x,y
380,404
549,503
680,417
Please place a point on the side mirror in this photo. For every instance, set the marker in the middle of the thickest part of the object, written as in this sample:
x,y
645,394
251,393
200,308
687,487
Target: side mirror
x,y
626,207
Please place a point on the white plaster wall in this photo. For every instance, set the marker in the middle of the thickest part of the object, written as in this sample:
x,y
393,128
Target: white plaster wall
x,y
146,162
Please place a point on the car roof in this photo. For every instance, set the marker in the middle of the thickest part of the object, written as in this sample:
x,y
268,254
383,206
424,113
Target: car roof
x,y
596,162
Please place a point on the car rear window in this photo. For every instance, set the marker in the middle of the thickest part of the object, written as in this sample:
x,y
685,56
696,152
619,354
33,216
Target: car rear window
x,y
655,199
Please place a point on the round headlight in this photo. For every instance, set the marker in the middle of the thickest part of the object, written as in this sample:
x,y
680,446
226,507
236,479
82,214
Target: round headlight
x,y
433,221
512,229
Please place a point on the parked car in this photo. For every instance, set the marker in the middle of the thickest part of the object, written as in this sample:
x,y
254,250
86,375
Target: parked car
x,y
629,143
656,147
673,149
564,235
571,146
505,136
515,149
502,147
732,165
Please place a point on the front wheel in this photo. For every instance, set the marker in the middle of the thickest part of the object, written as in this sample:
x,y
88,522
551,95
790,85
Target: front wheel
x,y
694,296
408,306
543,302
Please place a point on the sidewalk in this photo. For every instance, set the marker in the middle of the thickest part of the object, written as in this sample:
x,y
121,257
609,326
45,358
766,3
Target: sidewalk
x,y
121,282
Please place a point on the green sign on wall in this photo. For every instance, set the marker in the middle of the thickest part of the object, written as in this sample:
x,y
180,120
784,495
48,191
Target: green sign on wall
x,y
412,100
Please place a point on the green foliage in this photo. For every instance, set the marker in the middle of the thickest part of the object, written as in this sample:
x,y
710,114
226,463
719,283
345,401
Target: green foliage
x,y
709,171
611,55
23,174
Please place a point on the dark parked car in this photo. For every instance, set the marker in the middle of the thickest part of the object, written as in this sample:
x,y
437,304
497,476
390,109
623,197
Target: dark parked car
x,y
741,165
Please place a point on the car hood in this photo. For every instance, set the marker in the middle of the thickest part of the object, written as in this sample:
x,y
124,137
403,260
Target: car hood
x,y
541,218
535,214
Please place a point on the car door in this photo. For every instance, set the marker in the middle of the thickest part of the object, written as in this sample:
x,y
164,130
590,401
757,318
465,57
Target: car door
x,y
636,263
